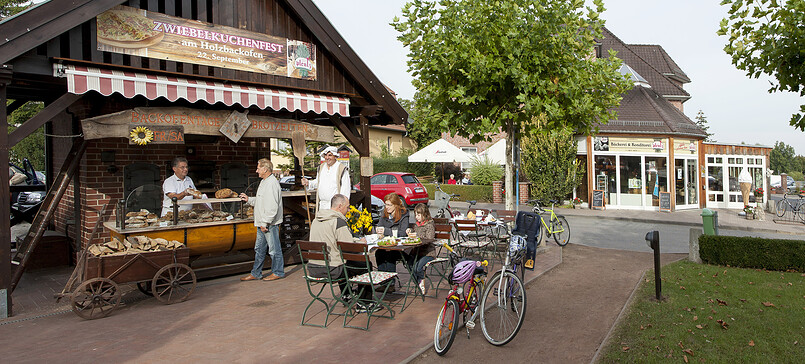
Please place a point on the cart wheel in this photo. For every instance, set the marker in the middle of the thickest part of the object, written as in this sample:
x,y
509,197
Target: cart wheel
x,y
145,288
95,298
173,283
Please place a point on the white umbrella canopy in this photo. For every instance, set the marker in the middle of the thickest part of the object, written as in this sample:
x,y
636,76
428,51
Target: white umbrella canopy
x,y
440,151
496,152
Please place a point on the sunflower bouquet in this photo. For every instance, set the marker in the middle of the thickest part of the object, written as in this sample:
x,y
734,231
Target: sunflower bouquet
x,y
359,221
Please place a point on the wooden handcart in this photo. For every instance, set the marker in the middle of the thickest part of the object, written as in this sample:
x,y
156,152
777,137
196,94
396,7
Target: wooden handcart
x,y
164,274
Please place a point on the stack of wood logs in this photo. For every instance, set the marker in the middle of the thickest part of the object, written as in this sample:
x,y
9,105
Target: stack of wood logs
x,y
133,245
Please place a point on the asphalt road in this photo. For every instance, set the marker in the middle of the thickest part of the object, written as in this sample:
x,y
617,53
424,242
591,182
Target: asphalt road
x,y
630,235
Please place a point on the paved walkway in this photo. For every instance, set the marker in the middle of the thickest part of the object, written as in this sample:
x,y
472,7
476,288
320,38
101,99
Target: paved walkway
x,y
224,320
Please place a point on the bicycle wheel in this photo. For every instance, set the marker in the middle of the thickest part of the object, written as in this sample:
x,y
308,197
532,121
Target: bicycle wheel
x,y
446,327
780,208
503,308
561,230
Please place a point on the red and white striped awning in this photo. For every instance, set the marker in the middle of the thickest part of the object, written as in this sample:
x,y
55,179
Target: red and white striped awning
x,y
81,79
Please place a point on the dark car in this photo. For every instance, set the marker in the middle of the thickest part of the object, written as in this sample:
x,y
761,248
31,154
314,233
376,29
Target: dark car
x,y
404,184
25,204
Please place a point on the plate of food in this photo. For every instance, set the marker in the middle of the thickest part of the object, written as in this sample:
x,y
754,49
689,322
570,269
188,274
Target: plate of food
x,y
387,241
411,241
127,29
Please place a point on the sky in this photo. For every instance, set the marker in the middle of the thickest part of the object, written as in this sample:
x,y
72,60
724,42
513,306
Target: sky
x,y
738,109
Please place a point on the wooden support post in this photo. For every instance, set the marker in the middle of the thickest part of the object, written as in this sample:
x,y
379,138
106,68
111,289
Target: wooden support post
x,y
366,164
5,200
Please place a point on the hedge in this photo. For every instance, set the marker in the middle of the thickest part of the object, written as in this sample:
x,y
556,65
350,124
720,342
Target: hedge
x,y
391,164
753,252
467,192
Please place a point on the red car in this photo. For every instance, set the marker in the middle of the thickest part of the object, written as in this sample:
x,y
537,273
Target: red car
x,y
404,184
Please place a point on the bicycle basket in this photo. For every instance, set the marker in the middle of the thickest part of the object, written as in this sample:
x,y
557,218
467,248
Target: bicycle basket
x,y
440,199
517,245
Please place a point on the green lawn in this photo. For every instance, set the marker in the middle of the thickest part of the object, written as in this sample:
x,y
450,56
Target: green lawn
x,y
713,314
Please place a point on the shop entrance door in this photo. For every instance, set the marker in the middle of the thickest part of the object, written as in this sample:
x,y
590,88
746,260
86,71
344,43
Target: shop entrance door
x,y
685,183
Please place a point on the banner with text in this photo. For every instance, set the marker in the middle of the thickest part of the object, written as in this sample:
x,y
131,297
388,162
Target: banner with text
x,y
145,33
636,145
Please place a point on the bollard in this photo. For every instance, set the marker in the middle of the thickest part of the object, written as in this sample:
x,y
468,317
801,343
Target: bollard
x,y
653,242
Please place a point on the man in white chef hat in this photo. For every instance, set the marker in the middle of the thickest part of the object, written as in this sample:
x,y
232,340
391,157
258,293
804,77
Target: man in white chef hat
x,y
332,178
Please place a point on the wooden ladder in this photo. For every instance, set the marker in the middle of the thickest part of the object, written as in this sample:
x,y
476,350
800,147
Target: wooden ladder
x,y
45,213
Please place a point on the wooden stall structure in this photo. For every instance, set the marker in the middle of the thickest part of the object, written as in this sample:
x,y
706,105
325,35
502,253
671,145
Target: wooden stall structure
x,y
129,85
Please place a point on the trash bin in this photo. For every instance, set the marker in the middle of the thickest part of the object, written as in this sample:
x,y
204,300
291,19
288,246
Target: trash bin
x,y
710,222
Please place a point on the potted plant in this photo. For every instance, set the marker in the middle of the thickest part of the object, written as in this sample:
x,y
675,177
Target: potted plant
x,y
576,202
749,211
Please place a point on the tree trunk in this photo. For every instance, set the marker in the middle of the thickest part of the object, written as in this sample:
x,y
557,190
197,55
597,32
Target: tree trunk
x,y
509,178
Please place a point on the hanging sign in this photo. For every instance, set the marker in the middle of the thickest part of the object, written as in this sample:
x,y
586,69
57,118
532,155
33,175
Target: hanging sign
x,y
170,124
235,125
145,33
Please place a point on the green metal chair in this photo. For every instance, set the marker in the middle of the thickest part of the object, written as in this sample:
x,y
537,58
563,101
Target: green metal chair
x,y
366,287
313,250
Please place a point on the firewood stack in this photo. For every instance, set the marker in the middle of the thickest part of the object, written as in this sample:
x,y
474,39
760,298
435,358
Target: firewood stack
x,y
133,245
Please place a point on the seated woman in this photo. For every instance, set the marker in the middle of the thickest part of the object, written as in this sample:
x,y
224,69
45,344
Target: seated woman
x,y
394,222
424,228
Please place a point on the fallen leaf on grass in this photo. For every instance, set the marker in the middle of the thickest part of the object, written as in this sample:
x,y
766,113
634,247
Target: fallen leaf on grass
x,y
680,345
751,342
721,303
699,327
682,287
768,304
685,357
751,282
695,318
711,301
743,299
689,352
724,324
625,348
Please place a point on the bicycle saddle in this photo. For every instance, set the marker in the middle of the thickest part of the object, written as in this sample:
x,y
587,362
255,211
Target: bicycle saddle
x,y
473,202
553,201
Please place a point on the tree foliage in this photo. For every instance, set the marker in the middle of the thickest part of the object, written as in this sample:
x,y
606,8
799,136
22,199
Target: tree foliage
x,y
549,162
480,64
419,131
482,67
781,158
483,171
701,121
11,7
32,146
767,37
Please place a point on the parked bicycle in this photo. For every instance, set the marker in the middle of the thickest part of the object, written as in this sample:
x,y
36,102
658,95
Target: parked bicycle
x,y
442,202
556,226
795,206
467,281
504,301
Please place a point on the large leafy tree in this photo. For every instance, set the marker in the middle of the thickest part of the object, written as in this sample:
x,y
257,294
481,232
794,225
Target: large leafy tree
x,y
483,67
767,37
549,162
781,158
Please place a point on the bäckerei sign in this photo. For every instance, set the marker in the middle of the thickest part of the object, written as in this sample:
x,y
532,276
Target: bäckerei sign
x,y
145,33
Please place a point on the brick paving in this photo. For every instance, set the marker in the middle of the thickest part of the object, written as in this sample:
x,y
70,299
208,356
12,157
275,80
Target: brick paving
x,y
225,320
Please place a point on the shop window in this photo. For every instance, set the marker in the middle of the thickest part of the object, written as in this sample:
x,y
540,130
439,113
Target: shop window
x,y
719,160
733,179
142,187
739,160
711,160
758,161
656,179
631,183
731,160
750,161
605,178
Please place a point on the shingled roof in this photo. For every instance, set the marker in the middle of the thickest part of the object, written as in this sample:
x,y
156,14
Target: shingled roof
x,y
656,56
644,111
659,82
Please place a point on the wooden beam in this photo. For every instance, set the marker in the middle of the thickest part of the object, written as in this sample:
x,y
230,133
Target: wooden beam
x,y
5,201
44,22
351,133
366,184
48,113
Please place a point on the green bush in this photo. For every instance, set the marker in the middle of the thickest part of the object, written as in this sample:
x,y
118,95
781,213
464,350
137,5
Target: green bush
x,y
753,252
466,192
485,171
797,176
